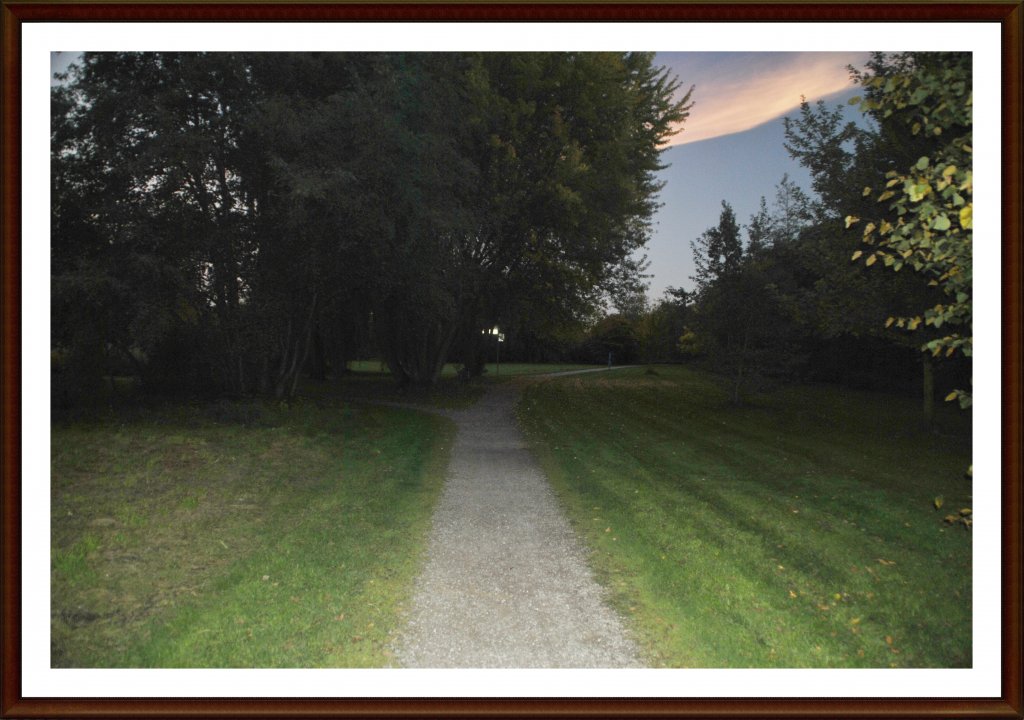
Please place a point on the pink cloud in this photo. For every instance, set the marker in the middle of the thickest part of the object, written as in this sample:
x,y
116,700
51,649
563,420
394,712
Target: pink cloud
x,y
736,92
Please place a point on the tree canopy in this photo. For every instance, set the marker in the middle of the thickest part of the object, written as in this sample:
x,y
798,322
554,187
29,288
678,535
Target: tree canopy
x,y
225,221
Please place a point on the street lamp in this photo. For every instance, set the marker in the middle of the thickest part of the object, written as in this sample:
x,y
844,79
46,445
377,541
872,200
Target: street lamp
x,y
501,338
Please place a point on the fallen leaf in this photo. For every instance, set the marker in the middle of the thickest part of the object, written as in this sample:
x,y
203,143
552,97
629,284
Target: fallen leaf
x,y
792,594
888,640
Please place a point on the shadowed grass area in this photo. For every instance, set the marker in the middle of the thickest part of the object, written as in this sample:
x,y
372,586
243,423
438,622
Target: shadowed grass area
x,y
370,380
239,534
451,369
798,531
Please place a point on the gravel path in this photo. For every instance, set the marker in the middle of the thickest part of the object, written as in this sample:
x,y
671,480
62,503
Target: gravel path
x,y
506,582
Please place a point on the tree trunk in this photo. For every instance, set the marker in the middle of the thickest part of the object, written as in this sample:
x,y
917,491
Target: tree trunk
x,y
296,351
318,359
928,387
739,371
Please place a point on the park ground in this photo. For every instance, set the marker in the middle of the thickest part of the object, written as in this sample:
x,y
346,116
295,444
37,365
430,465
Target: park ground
x,y
799,530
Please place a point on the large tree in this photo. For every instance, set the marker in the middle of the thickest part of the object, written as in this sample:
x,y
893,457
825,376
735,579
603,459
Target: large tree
x,y
233,218
926,221
844,158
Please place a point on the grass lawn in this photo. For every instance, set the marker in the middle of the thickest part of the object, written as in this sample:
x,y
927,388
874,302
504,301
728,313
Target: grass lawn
x,y
517,369
491,371
239,535
798,531
370,380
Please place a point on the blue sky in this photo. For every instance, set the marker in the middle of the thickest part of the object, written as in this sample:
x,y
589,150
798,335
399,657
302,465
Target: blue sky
x,y
731,145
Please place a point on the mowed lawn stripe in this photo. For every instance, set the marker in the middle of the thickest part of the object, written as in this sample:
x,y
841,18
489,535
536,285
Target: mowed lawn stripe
x,y
798,532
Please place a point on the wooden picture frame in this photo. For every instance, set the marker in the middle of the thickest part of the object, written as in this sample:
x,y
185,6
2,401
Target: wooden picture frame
x,y
1009,15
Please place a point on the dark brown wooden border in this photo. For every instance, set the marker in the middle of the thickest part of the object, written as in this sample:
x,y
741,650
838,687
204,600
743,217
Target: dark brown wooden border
x,y
10,391
744,11
1010,15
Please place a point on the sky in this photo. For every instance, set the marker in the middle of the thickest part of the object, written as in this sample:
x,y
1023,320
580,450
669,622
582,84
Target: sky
x,y
731,145
729,148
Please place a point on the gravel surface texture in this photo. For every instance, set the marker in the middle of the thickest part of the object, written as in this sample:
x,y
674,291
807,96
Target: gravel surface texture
x,y
506,583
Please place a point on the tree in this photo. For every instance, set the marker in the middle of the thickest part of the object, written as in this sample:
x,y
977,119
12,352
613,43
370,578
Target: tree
x,y
842,304
928,221
718,252
662,325
739,324
567,145
236,218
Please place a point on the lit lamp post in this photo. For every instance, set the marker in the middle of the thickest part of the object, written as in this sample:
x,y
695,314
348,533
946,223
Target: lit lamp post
x,y
500,336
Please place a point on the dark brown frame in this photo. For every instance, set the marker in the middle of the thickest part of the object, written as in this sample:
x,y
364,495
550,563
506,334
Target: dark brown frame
x,y
1009,14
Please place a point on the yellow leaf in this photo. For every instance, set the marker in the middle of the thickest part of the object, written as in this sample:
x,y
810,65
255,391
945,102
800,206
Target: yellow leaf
x,y
857,254
889,322
855,621
871,260
851,219
792,594
889,640
867,191
938,502
951,396
966,217
965,511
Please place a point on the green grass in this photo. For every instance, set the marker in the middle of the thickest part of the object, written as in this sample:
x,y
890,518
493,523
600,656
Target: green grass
x,y
239,535
515,369
369,380
798,531
451,370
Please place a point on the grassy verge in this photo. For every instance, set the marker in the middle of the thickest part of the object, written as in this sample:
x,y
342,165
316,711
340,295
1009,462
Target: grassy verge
x,y
798,531
370,380
233,535
451,370
517,369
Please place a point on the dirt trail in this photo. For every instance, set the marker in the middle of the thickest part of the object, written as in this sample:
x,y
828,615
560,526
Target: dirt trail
x,y
506,582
